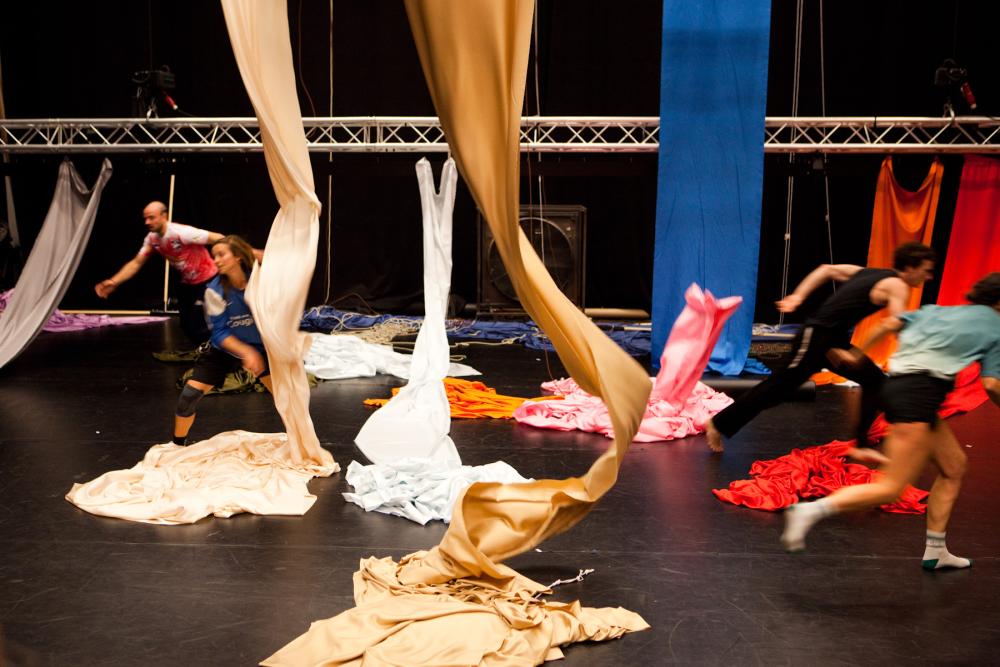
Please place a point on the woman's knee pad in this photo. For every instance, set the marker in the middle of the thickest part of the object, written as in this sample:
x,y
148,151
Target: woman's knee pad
x,y
188,400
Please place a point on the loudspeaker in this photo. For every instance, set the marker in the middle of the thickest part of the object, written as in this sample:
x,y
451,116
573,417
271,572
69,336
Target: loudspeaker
x,y
559,236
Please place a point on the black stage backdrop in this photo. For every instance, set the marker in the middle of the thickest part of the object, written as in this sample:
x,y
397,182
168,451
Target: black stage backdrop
x,y
594,58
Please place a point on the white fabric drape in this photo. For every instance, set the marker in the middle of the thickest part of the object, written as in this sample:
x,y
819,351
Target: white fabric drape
x,y
417,472
238,471
53,259
416,421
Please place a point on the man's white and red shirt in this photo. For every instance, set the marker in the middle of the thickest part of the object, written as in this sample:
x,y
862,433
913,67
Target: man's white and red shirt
x,y
184,247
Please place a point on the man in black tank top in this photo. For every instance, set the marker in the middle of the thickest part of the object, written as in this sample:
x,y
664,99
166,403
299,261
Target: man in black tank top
x,y
863,292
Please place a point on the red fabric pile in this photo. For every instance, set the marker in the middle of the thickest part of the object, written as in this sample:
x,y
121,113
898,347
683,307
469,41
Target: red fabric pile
x,y
813,472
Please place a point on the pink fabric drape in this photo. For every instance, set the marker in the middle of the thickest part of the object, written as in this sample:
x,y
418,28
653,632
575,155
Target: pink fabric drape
x,y
679,405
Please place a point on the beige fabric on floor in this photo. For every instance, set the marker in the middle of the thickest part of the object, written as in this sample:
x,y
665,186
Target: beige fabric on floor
x,y
457,604
239,471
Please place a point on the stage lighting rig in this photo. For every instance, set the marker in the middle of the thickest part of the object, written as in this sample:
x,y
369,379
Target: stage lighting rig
x,y
152,88
951,78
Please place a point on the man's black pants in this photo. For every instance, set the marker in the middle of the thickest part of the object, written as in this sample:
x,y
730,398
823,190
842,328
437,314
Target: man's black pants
x,y
808,356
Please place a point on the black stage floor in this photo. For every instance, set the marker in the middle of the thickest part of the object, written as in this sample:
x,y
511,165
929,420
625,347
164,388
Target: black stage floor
x,y
711,579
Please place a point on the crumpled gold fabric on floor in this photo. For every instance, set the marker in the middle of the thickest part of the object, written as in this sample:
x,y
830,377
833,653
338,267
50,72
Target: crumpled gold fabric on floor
x,y
269,473
474,55
461,622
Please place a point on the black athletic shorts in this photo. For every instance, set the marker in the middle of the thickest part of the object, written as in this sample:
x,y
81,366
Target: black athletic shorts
x,y
213,366
914,398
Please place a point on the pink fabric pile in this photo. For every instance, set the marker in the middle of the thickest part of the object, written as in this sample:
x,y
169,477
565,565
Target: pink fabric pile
x,y
679,405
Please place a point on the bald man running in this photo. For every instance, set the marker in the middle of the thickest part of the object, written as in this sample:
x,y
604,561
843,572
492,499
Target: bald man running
x,y
184,247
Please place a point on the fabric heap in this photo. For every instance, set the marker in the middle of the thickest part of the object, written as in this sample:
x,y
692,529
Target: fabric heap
x,y
457,603
579,411
340,357
53,260
672,411
815,472
418,489
60,322
899,216
810,473
470,399
238,471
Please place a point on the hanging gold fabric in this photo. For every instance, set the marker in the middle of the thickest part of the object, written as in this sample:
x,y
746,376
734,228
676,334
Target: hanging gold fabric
x,y
457,603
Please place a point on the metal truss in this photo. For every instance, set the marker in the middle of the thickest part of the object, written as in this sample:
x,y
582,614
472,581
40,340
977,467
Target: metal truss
x,y
371,134
890,134
543,134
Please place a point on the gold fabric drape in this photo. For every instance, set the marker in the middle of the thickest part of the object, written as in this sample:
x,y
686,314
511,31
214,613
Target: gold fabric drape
x,y
457,603
899,216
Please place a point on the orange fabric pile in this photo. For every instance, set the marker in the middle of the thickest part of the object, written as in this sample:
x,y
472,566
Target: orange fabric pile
x,y
473,400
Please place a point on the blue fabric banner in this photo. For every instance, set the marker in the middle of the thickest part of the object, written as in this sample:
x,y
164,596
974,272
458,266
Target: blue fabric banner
x,y
713,89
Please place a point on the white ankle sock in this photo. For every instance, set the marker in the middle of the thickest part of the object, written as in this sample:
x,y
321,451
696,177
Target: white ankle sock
x,y
800,518
936,554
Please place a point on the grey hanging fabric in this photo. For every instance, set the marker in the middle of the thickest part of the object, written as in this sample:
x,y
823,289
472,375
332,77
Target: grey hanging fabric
x,y
53,259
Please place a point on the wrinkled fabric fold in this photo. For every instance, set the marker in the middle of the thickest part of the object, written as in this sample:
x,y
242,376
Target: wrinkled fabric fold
x,y
53,259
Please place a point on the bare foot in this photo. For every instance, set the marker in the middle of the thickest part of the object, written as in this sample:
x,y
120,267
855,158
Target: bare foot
x,y
867,455
713,437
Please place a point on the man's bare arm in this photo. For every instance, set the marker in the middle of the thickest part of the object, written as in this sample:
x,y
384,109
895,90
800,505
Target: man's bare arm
x,y
131,267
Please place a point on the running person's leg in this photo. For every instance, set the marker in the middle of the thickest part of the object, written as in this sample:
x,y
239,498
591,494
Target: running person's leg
x,y
951,462
808,356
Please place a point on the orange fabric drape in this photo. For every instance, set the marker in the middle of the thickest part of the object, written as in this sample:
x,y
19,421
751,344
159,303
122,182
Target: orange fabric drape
x,y
900,216
469,399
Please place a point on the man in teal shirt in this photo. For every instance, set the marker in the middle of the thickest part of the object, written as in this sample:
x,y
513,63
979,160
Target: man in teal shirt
x,y
935,343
